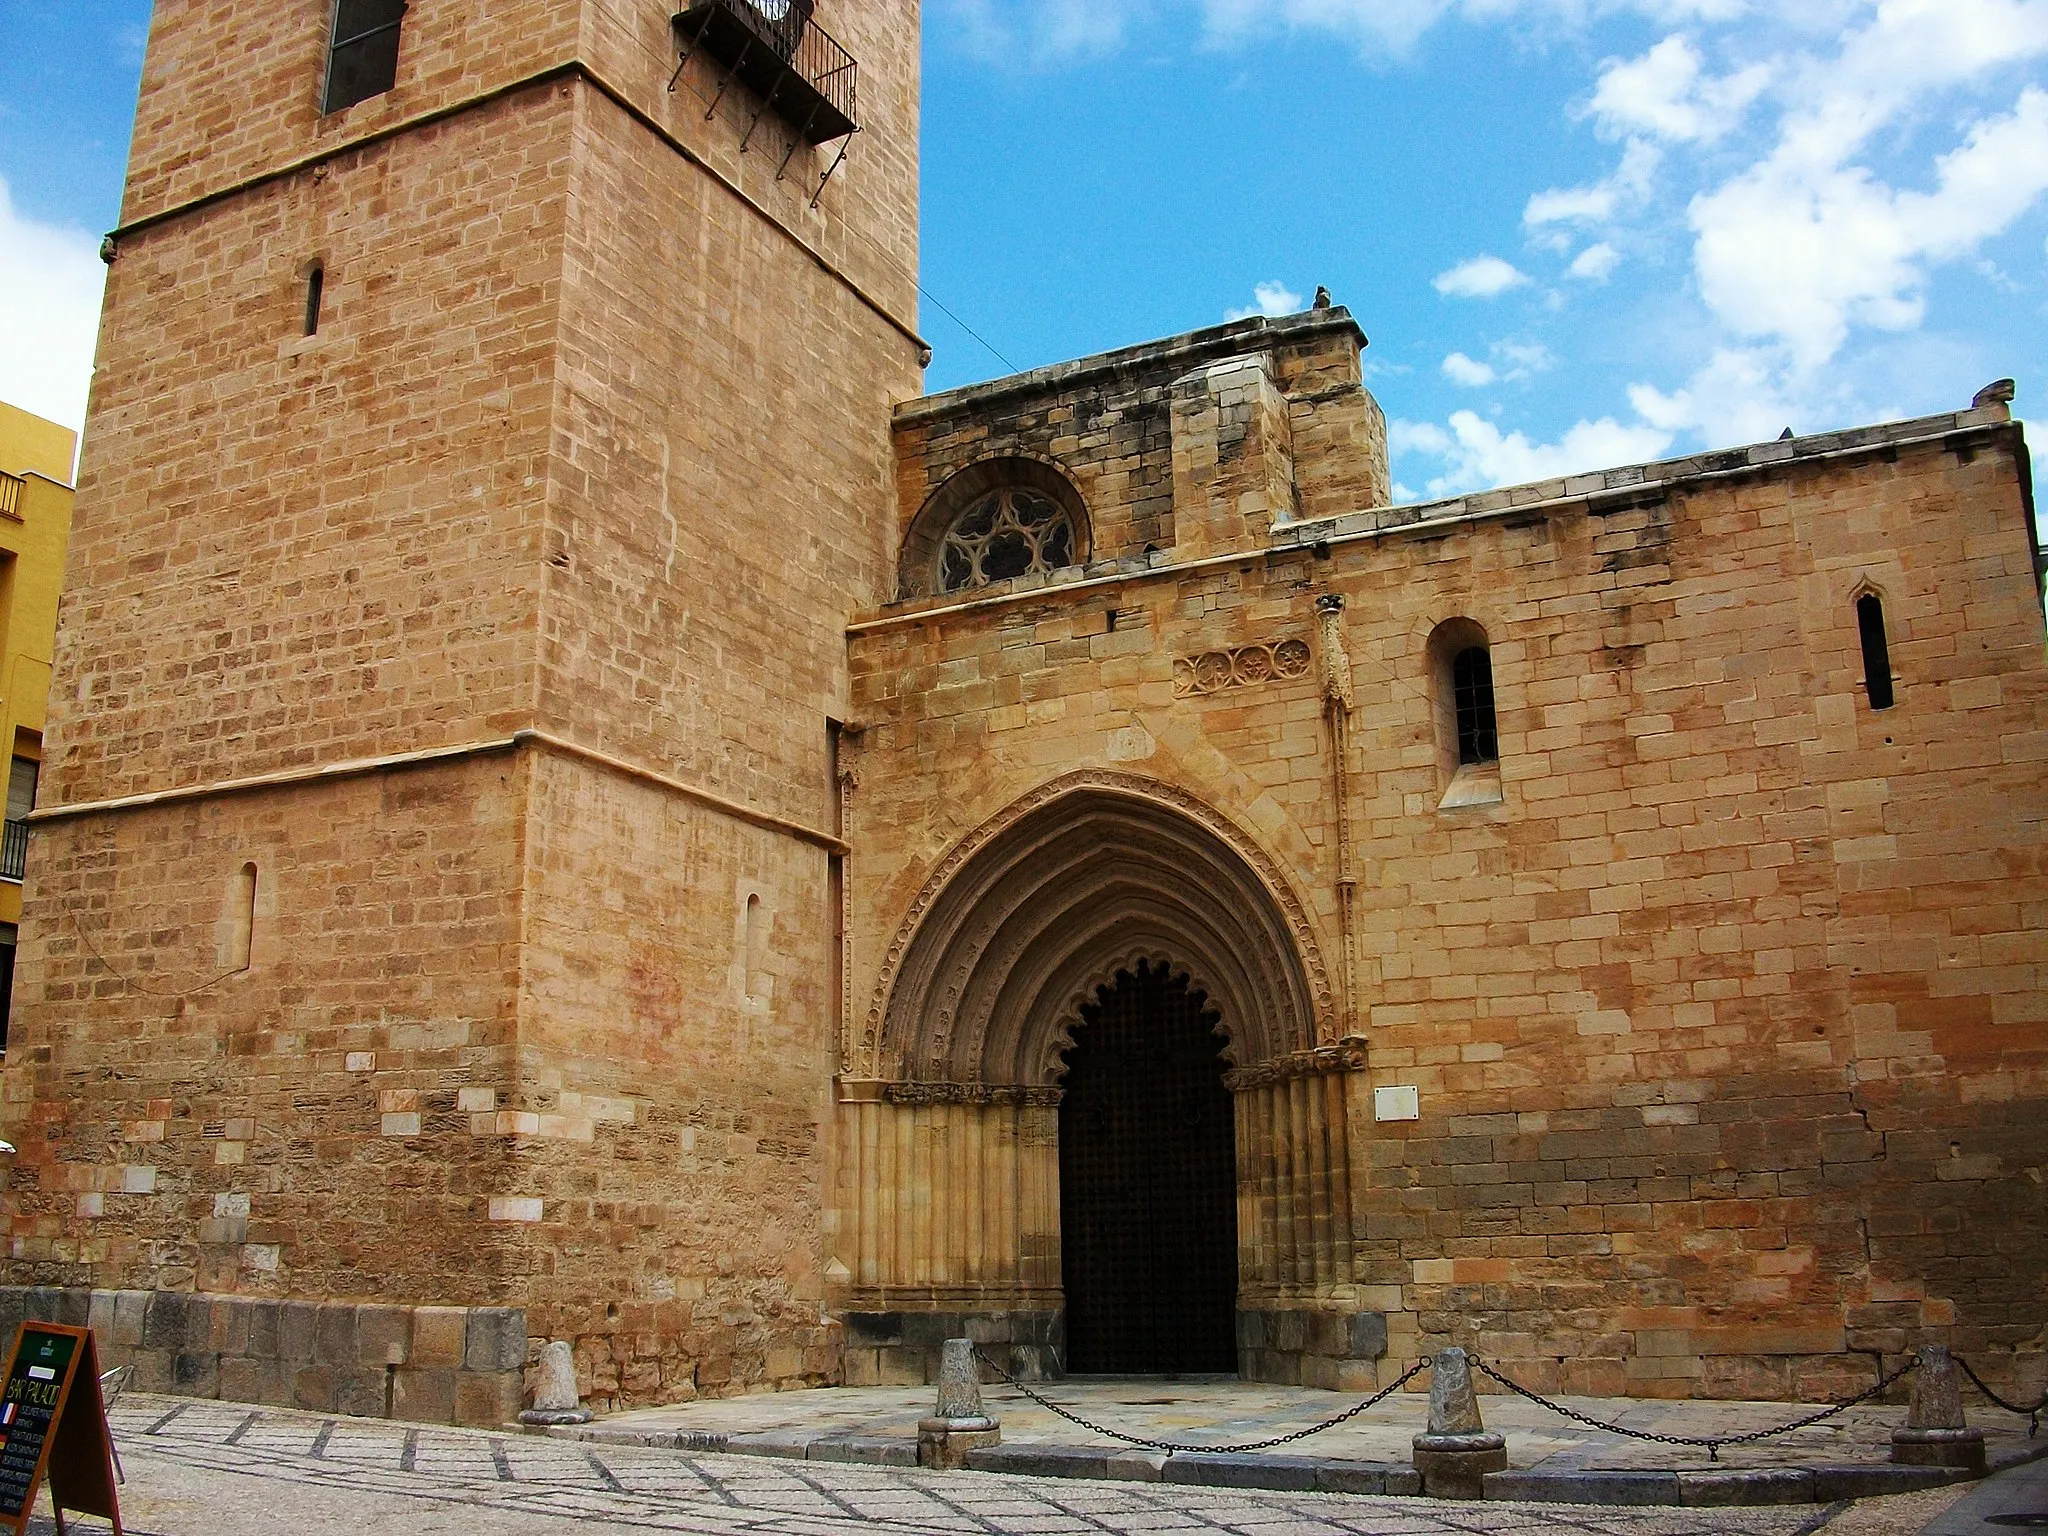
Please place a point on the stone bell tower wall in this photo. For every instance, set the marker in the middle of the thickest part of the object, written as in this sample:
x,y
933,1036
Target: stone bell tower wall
x,y
497,626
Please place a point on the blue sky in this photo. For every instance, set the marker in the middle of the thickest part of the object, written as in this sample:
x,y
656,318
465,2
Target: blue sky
x,y
1579,232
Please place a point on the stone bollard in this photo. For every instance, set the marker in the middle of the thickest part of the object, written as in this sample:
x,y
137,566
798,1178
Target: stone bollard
x,y
1935,1432
555,1400
944,1439
1457,1452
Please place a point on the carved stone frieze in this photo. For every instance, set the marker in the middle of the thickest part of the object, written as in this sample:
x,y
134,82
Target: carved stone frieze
x,y
1245,666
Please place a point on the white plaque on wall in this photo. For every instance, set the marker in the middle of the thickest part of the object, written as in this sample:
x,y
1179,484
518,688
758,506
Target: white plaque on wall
x,y
1396,1104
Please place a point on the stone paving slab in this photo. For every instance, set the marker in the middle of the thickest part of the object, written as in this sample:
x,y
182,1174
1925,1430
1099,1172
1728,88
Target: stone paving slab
x,y
1551,1459
2016,1501
207,1468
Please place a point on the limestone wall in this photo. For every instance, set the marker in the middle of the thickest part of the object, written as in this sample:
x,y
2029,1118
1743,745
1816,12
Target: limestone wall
x,y
674,1083
231,93
293,550
320,1123
1723,1007
443,1365
1145,433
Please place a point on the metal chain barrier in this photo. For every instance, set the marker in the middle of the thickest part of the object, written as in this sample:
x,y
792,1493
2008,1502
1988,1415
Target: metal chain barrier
x,y
2033,1414
1713,1443
1171,1447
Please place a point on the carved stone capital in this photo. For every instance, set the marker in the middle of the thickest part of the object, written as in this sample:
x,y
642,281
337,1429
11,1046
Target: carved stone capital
x,y
1347,1055
969,1093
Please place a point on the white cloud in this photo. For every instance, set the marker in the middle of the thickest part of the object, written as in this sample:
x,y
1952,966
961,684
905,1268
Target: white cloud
x,y
51,281
1512,360
1630,184
1739,396
1524,358
1392,26
1665,93
1483,277
1909,49
1382,25
1406,437
1269,299
1460,369
1801,250
1596,263
1042,32
1477,455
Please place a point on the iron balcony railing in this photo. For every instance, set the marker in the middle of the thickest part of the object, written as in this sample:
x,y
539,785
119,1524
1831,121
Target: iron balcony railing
x,y
10,495
14,851
773,47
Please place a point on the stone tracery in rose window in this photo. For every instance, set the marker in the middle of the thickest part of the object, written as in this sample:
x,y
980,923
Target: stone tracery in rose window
x,y
1007,533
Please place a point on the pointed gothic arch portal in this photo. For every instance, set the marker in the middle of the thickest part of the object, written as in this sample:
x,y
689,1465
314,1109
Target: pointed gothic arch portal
x,y
1148,1183
1111,946
1052,899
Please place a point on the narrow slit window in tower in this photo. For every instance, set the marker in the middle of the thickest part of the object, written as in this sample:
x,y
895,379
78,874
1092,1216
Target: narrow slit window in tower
x,y
1877,653
757,945
1472,691
316,290
242,938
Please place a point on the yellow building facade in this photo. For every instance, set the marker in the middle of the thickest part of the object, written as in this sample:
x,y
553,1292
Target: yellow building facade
x,y
35,522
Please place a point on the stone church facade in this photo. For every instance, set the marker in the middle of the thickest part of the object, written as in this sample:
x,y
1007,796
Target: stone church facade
x,y
579,804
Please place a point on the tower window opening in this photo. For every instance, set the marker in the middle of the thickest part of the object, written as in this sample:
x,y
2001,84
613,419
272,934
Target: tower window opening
x,y
1472,692
362,51
755,942
316,290
242,920
1877,654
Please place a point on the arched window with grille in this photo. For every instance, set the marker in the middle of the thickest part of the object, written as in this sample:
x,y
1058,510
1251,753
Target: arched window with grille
x,y
997,520
1460,660
1472,697
1008,533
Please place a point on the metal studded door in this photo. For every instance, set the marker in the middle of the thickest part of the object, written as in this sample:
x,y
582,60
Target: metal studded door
x,y
1148,1184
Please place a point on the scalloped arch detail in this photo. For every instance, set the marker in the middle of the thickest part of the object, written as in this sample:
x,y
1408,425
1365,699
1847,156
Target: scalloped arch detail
x,y
1030,913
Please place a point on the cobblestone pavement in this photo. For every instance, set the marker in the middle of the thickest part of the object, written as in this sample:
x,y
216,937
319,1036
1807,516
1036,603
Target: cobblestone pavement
x,y
221,1469
1212,1410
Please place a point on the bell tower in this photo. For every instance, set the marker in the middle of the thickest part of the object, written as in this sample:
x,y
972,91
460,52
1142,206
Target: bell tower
x,y
433,901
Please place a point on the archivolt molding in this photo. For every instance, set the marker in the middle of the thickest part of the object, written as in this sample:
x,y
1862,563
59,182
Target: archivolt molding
x,y
985,963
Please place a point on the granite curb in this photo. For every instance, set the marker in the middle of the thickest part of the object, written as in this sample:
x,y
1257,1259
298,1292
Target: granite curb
x,y
1692,1487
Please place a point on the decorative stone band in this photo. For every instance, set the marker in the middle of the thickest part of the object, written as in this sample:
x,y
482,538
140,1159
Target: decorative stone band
x,y
1244,667
1347,1055
521,740
949,1093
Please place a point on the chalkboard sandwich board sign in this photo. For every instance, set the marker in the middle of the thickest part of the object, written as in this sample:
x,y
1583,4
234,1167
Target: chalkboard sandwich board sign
x,y
48,1431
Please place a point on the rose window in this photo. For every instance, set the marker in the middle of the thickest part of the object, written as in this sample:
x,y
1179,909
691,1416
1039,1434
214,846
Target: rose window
x,y
1006,534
